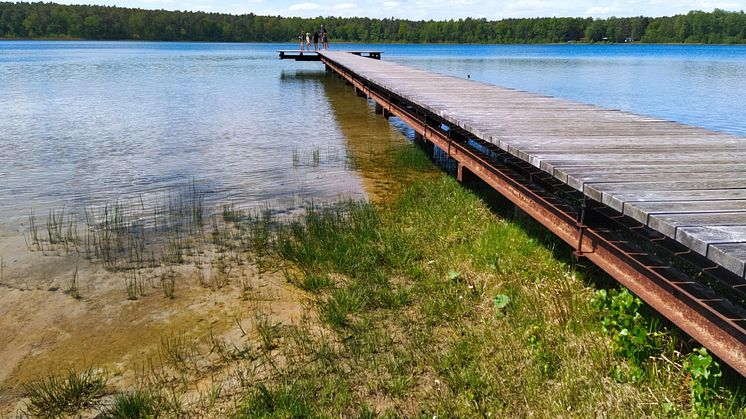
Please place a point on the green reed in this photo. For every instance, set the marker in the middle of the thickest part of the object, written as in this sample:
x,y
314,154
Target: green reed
x,y
126,235
168,282
134,284
73,289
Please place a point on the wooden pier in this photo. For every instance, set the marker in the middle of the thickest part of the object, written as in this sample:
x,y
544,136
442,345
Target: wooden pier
x,y
309,55
594,177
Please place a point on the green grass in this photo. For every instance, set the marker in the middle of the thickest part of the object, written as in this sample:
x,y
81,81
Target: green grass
x,y
441,307
285,401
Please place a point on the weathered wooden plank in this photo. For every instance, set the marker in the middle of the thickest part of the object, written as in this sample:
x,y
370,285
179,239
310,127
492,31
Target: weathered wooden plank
x,y
700,238
658,181
668,224
674,169
641,211
731,256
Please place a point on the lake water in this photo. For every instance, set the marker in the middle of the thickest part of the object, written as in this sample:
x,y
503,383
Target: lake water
x,y
87,122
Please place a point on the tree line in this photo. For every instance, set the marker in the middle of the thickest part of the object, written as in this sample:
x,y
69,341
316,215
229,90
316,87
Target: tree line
x,y
50,20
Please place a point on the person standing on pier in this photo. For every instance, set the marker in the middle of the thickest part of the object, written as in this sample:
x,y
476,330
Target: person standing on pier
x,y
315,40
308,41
302,38
324,38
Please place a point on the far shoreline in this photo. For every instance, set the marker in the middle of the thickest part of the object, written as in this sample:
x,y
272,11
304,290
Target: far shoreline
x,y
71,39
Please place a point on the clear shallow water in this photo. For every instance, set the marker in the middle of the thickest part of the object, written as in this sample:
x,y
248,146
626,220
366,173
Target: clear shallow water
x,y
86,122
89,122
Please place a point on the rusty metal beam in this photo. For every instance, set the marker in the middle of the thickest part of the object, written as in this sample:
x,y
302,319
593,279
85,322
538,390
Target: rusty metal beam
x,y
711,322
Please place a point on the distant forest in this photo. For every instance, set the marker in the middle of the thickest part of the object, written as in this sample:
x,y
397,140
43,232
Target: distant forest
x,y
50,20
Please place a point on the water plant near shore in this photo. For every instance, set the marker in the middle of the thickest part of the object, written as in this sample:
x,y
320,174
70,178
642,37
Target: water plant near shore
x,y
125,236
73,289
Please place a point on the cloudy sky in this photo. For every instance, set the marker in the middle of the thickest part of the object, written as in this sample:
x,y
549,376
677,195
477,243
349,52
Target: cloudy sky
x,y
433,9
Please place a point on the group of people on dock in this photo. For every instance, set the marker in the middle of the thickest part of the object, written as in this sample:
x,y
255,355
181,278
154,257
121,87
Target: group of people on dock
x,y
305,39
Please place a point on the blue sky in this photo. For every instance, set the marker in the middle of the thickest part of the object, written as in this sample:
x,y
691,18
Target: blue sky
x,y
432,9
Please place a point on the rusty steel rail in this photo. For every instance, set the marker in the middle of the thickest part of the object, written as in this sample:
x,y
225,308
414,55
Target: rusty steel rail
x,y
710,319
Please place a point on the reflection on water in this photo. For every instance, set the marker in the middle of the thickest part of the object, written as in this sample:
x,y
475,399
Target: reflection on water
x,y
367,134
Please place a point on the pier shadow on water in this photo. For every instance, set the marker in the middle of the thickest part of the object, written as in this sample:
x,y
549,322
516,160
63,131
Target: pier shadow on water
x,y
366,135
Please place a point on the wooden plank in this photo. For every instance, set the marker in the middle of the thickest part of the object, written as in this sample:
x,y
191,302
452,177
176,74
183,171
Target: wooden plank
x,y
658,181
699,238
731,256
616,195
668,224
641,211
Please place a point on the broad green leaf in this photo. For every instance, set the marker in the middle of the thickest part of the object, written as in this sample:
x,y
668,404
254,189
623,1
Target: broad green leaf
x,y
501,300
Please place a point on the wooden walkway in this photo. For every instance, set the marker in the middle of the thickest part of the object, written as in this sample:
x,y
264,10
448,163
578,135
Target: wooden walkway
x,y
685,182
313,55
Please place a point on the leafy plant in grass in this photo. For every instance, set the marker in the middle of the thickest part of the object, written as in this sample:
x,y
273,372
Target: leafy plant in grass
x,y
501,301
704,381
57,396
636,336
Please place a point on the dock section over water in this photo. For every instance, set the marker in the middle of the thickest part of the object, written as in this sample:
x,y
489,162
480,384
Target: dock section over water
x,y
308,55
688,183
612,184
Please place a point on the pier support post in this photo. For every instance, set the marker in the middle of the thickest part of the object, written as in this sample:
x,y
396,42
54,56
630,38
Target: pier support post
x,y
464,175
327,68
359,93
381,111
425,145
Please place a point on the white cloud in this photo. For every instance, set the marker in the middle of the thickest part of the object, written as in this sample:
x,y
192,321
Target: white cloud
x,y
603,11
437,9
706,5
304,7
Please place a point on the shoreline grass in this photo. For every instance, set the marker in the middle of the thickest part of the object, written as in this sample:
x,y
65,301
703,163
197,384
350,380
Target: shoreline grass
x,y
435,302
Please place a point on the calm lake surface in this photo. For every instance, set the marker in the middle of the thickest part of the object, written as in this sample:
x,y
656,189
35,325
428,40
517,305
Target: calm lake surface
x,y
89,122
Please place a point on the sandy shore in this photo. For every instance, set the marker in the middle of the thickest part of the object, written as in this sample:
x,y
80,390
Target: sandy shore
x,y
44,330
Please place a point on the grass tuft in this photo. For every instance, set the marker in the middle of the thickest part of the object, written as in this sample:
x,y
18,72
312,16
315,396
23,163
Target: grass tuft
x,y
133,405
284,401
57,396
